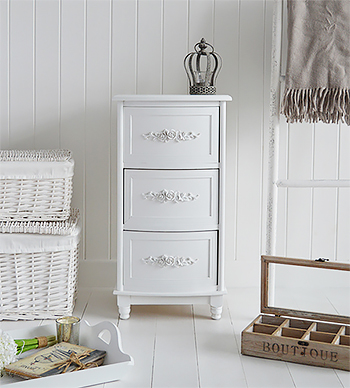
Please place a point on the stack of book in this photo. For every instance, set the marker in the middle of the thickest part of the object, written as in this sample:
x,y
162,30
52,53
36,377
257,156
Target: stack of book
x,y
60,358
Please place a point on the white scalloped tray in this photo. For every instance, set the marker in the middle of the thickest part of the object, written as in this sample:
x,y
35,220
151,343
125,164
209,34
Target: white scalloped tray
x,y
103,336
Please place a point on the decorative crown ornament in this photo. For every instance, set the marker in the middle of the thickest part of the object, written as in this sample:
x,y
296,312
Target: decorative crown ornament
x,y
202,68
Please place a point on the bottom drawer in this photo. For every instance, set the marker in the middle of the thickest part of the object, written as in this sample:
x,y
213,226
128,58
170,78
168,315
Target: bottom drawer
x,y
170,262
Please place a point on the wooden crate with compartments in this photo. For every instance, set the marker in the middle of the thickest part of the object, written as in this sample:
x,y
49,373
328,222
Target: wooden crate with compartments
x,y
294,333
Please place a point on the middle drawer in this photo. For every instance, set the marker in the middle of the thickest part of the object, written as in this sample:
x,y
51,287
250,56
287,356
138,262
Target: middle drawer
x,y
174,200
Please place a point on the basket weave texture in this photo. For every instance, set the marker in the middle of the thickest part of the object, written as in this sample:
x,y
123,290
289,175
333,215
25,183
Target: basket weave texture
x,y
38,285
38,274
35,198
33,155
42,227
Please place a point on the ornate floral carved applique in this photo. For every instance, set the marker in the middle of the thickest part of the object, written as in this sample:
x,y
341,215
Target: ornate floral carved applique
x,y
170,135
170,196
169,261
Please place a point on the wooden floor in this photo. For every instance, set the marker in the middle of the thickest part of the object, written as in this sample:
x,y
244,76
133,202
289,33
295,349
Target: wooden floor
x,y
180,346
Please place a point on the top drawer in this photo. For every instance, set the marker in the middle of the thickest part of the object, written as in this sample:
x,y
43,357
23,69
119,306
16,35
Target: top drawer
x,y
171,137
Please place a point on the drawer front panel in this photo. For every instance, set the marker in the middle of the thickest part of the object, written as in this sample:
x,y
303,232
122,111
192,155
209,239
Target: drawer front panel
x,y
163,200
170,262
168,137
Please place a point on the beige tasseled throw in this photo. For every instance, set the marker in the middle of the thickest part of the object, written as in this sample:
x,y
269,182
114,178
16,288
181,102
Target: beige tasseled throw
x,y
318,61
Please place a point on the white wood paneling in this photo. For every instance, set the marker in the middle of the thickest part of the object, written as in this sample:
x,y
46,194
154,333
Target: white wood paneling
x,y
149,47
124,46
175,47
21,74
326,151
62,60
299,222
47,76
171,339
200,22
4,79
343,240
324,222
72,94
210,343
226,23
344,154
249,148
300,142
97,127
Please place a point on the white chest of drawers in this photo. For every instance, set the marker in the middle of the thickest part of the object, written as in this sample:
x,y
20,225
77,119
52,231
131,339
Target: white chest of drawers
x,y
170,200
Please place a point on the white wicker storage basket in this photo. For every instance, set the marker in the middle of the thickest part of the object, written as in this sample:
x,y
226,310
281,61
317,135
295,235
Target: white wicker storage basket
x,y
38,275
42,227
36,185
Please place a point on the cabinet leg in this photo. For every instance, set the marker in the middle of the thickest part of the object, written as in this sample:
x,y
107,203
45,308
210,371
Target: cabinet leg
x,y
215,312
216,303
123,303
124,312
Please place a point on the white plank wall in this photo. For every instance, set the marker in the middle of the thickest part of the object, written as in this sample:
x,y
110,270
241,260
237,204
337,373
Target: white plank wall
x,y
63,60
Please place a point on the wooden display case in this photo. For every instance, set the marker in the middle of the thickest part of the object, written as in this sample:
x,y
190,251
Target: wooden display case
x,y
288,334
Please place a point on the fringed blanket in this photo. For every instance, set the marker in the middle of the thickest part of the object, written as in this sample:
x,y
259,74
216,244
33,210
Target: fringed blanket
x,y
318,61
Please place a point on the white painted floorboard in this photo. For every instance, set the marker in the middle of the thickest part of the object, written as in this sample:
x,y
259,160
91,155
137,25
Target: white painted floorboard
x,y
182,347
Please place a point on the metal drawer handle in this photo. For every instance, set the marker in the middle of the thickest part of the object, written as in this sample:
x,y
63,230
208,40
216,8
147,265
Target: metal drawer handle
x,y
167,135
170,196
169,261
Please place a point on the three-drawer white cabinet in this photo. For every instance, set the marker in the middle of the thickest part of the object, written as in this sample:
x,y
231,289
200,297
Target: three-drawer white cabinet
x,y
169,154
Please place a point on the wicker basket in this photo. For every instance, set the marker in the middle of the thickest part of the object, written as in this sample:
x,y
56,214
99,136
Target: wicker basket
x,y
38,275
42,227
36,185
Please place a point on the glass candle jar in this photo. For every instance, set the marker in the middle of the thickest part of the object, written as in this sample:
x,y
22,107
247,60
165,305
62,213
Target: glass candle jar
x,y
67,329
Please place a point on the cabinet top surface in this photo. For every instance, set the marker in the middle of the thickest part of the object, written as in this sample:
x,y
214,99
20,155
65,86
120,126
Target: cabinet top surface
x,y
171,97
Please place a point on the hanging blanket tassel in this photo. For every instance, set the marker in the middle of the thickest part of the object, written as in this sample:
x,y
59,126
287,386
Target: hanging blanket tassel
x,y
329,105
318,62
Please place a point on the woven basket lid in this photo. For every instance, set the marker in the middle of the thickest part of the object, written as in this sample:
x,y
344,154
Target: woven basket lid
x,y
35,155
62,228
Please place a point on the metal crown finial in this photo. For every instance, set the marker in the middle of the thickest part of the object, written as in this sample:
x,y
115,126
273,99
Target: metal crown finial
x,y
202,67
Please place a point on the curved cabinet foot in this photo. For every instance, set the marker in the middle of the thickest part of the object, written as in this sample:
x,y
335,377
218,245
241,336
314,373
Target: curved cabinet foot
x,y
124,312
215,312
123,303
216,303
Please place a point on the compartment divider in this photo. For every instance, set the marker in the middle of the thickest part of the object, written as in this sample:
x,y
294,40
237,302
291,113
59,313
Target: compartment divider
x,y
336,339
311,328
285,323
278,331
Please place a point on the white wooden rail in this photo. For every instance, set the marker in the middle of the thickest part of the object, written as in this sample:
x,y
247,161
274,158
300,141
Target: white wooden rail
x,y
313,183
275,93
280,163
275,182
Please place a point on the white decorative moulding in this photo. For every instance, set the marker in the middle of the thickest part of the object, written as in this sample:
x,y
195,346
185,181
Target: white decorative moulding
x,y
170,261
170,196
170,135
